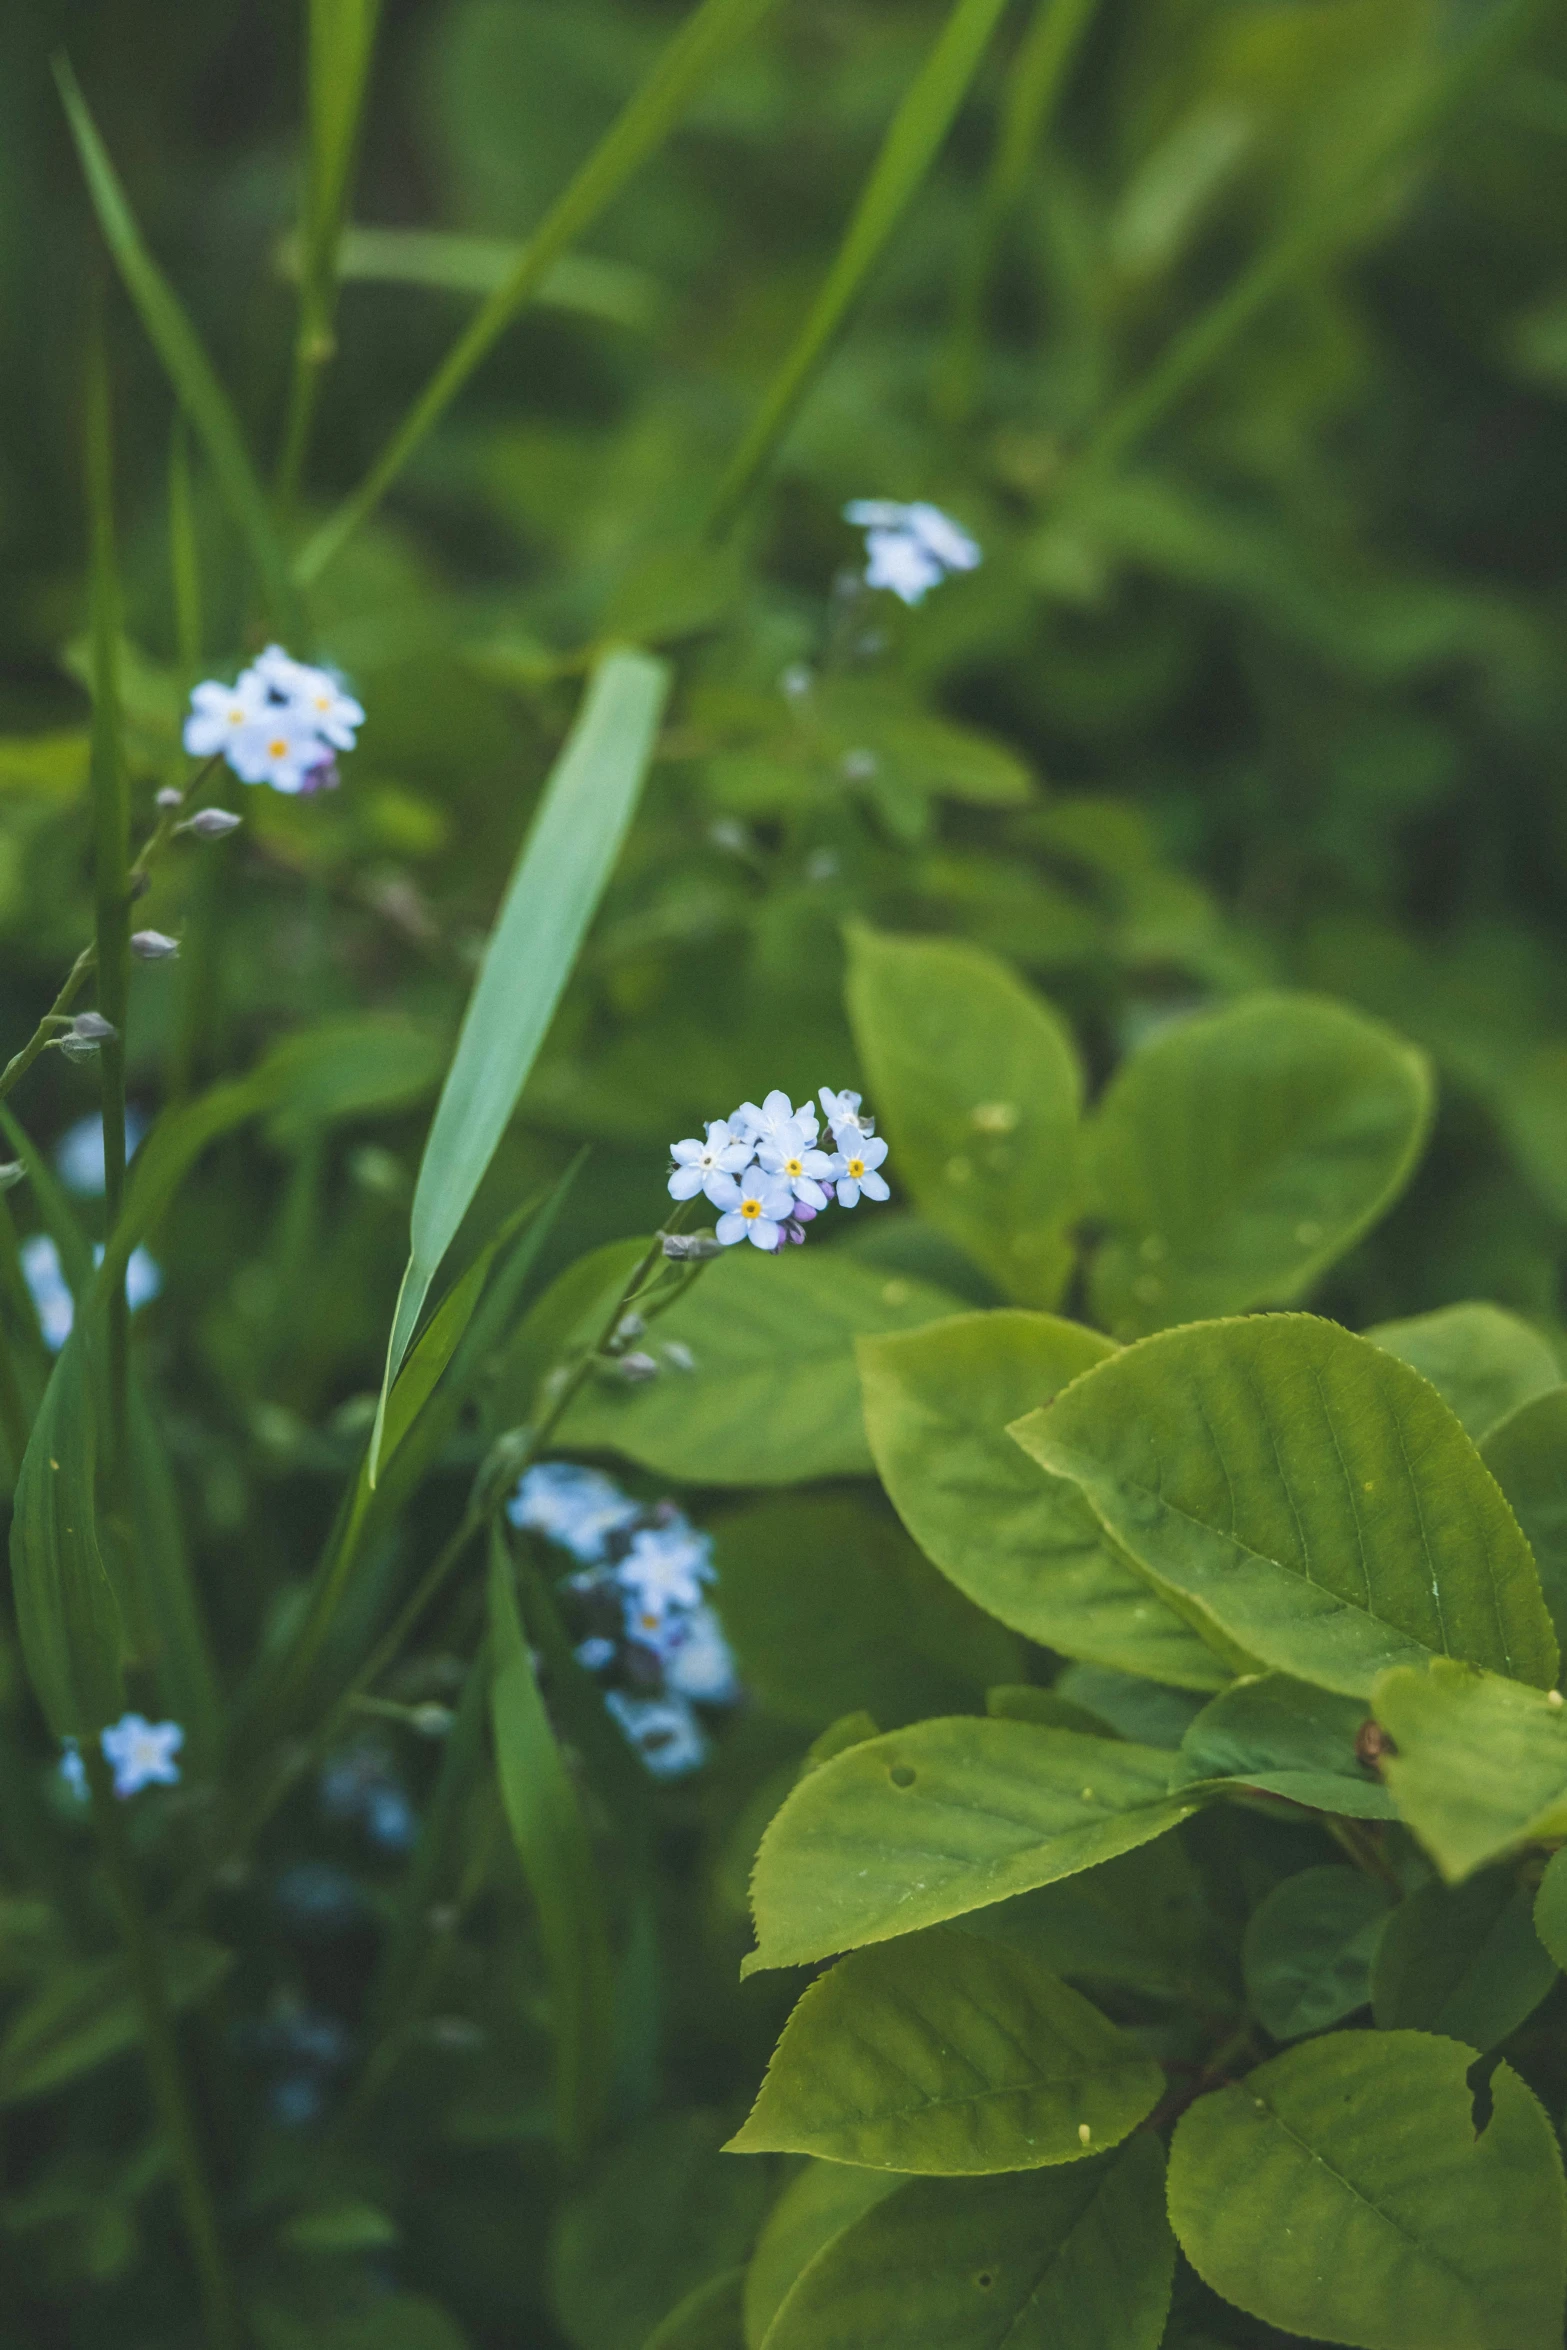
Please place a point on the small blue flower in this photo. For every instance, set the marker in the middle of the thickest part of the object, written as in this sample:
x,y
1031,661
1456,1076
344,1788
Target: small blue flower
x,y
141,1753
72,1768
78,1155
51,1293
725,1152
910,549
664,1731
665,1568
578,1508
698,1661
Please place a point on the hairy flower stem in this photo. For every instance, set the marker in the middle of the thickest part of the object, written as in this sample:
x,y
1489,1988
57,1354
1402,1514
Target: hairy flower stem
x,y
59,1011
220,2308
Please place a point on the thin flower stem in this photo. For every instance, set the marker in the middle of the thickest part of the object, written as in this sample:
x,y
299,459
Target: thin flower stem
x,y
59,1011
221,2311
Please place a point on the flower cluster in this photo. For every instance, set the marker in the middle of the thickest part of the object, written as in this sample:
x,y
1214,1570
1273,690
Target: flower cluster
x,y
140,1754
639,1599
910,549
51,1292
281,722
765,1169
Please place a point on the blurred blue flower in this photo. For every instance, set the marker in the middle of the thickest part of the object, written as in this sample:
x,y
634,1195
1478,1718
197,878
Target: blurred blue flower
x,y
578,1508
51,1293
664,1731
315,1898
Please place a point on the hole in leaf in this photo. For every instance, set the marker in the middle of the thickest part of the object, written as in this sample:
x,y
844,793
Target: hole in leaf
x,y
901,1775
984,2280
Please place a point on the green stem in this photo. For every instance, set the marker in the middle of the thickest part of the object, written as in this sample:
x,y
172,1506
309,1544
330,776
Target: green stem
x,y
221,2311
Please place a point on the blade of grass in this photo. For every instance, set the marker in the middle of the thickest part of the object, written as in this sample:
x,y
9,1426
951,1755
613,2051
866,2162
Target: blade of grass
x,y
1038,73
553,1845
914,138
186,364
1206,338
184,560
339,51
570,852
446,262
636,133
111,857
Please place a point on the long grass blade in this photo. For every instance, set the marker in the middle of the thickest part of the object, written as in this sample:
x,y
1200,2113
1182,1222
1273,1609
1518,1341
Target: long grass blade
x,y
186,364
570,852
1038,74
1204,340
446,262
553,1845
637,132
914,138
341,46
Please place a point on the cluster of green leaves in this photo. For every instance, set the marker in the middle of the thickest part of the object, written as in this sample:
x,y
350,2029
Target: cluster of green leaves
x,y
1149,1720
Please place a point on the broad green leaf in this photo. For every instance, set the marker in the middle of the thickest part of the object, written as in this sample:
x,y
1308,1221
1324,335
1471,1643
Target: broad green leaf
x,y
1480,1764
977,1087
571,849
1020,1542
816,2206
1237,1155
568,1317
1550,1908
89,2011
1482,1362
186,364
913,140
829,1607
1071,2259
664,2215
1462,1960
1406,2230
354,1066
1312,1494
1308,1948
637,132
707,2319
947,2054
1289,1739
926,1824
69,1618
772,1397
556,1852
1148,1712
1137,1922
1527,1455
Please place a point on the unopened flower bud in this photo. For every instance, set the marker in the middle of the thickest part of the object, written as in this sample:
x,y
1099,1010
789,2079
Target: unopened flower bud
x,y
691,1248
170,797
92,1028
636,1368
154,946
212,823
678,1355
630,1326
11,1173
432,1720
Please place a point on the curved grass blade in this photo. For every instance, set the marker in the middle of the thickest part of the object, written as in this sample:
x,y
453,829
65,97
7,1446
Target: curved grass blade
x,y
570,851
635,134
66,1610
445,261
907,152
553,1845
341,46
186,364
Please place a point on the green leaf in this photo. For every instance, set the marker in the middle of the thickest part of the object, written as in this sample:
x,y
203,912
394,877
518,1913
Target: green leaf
x,y
707,2319
356,1066
171,1624
1237,1155
1480,1766
67,1613
1407,2231
1482,1362
977,1087
1462,1960
1308,1948
89,2012
391,2321
829,1607
1137,1922
636,133
946,2054
816,2206
772,1398
1015,1539
340,2227
1289,1739
1527,1455
1073,2259
914,139
1550,1908
185,363
556,1852
1312,1494
925,1824
664,2215
570,852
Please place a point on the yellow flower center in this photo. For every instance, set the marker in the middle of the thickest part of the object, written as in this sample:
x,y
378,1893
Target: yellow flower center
x,y
237,715
750,1207
323,701
793,1167
856,1169
276,749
